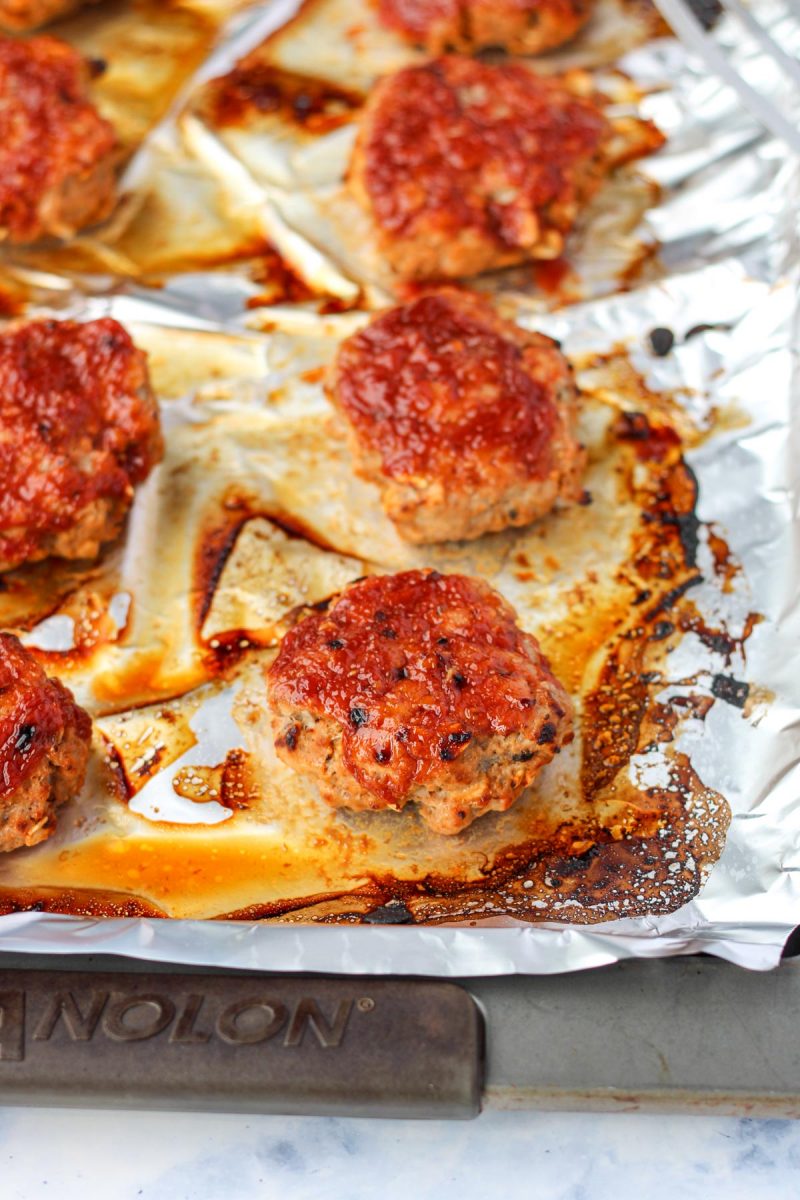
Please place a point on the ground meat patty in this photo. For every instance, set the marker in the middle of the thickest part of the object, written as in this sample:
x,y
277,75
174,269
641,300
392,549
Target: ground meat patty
x,y
79,426
44,747
464,167
20,16
57,154
417,687
465,421
520,26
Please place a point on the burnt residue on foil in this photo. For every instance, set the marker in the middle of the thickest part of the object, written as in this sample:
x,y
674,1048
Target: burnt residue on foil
x,y
627,851
255,89
82,903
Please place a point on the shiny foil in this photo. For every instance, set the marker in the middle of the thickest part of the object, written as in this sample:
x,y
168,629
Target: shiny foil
x,y
724,280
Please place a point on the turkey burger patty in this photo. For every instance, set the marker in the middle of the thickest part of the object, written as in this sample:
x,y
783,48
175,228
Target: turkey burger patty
x,y
421,688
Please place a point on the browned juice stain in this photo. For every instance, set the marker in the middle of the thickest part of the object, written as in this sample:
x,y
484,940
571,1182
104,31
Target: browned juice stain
x,y
229,252
215,543
614,380
593,618
729,417
154,264
725,565
281,283
178,871
92,624
142,676
214,546
255,88
664,556
644,264
12,302
83,901
230,783
721,641
652,19
145,741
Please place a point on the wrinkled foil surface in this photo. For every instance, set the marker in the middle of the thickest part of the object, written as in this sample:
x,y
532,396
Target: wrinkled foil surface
x,y
729,260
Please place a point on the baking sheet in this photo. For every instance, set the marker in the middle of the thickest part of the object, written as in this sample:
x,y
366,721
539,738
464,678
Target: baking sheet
x,y
744,373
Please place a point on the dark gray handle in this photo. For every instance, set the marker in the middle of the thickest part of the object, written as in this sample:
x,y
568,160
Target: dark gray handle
x,y
240,1043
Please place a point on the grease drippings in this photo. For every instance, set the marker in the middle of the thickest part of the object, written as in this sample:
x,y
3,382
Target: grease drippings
x,y
256,88
590,855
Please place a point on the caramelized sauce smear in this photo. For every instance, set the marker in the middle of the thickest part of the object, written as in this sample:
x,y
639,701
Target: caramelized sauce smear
x,y
256,88
282,284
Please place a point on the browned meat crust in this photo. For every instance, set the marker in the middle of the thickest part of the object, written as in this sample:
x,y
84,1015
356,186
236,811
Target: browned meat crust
x,y
79,427
519,26
465,421
57,154
44,747
465,167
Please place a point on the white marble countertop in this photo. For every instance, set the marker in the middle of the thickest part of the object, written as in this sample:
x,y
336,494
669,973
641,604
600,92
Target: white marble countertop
x,y
81,1154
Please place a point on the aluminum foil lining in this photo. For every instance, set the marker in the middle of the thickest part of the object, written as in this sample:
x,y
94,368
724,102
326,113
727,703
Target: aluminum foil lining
x,y
728,230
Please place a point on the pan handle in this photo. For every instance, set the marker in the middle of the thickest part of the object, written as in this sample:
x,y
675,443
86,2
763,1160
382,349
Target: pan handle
x,y
240,1043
